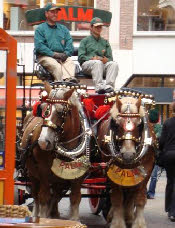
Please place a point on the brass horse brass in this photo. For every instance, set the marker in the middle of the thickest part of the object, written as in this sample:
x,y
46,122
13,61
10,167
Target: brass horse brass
x,y
68,170
126,177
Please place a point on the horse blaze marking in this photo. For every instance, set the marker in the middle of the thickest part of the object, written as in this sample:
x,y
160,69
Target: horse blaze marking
x,y
71,165
81,15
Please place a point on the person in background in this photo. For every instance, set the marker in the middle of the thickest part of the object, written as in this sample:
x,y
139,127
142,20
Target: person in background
x,y
95,58
53,46
167,160
154,118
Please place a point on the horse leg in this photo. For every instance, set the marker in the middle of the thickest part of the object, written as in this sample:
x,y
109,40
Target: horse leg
x,y
55,199
75,199
129,209
140,201
44,193
53,208
44,199
35,191
117,209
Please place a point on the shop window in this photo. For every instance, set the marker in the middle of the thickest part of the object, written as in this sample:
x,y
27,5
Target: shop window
x,y
14,13
156,15
148,81
169,82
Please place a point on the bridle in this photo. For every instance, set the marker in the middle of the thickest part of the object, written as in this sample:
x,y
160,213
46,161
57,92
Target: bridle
x,y
84,142
48,110
128,125
142,143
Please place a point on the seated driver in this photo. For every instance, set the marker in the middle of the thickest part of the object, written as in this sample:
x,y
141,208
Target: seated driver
x,y
53,46
95,58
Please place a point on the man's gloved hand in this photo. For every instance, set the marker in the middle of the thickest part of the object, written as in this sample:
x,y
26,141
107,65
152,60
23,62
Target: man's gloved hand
x,y
60,57
104,60
63,57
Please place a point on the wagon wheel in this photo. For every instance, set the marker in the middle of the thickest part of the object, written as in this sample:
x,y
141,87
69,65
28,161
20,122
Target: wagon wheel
x,y
19,196
95,203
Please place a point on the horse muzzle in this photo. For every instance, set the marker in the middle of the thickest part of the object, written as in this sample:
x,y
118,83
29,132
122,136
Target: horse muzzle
x,y
45,145
128,151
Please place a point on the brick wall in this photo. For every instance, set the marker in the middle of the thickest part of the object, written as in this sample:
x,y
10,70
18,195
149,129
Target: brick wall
x,y
104,5
126,24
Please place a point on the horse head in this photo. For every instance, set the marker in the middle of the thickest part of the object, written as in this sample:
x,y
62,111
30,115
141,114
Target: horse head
x,y
127,123
54,110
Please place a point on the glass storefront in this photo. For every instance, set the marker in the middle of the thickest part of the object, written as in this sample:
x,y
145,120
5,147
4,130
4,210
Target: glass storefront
x,y
3,63
152,81
14,12
156,15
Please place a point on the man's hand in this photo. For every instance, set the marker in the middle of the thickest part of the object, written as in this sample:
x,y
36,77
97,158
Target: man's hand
x,y
57,55
60,57
104,60
95,58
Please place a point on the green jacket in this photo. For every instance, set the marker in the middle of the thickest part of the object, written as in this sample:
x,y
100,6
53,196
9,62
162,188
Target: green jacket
x,y
158,129
90,47
49,39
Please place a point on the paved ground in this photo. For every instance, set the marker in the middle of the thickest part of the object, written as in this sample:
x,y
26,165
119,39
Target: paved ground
x,y
154,211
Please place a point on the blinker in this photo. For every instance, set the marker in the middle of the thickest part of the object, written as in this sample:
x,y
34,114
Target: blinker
x,y
47,111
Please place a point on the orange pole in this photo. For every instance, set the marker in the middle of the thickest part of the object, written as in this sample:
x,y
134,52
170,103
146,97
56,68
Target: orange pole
x,y
9,44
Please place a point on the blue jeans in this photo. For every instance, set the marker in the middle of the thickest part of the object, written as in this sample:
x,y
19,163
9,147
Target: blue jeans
x,y
153,181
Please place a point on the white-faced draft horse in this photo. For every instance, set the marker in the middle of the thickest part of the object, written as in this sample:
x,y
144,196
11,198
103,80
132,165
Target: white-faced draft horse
x,y
128,138
56,143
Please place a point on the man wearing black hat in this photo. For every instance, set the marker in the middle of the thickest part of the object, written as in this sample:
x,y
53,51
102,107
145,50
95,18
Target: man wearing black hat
x,y
53,46
95,57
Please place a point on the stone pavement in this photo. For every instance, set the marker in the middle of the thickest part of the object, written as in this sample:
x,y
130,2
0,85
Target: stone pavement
x,y
154,211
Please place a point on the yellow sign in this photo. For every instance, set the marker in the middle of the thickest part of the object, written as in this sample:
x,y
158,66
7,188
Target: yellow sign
x,y
68,170
1,192
1,160
125,177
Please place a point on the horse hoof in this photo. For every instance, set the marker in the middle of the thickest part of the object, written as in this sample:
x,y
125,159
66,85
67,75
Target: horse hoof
x,y
75,219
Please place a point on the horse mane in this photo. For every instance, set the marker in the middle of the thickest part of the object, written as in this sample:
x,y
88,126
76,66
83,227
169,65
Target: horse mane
x,y
120,106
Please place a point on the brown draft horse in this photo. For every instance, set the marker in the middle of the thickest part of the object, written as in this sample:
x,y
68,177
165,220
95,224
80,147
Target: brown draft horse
x,y
55,151
127,136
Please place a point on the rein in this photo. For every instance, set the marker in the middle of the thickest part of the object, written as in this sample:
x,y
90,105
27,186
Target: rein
x,y
88,131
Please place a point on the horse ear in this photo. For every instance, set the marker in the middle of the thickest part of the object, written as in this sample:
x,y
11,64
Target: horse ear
x,y
138,103
47,87
68,94
118,104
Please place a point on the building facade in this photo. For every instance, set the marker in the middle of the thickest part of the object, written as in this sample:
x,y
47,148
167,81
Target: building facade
x,y
142,36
